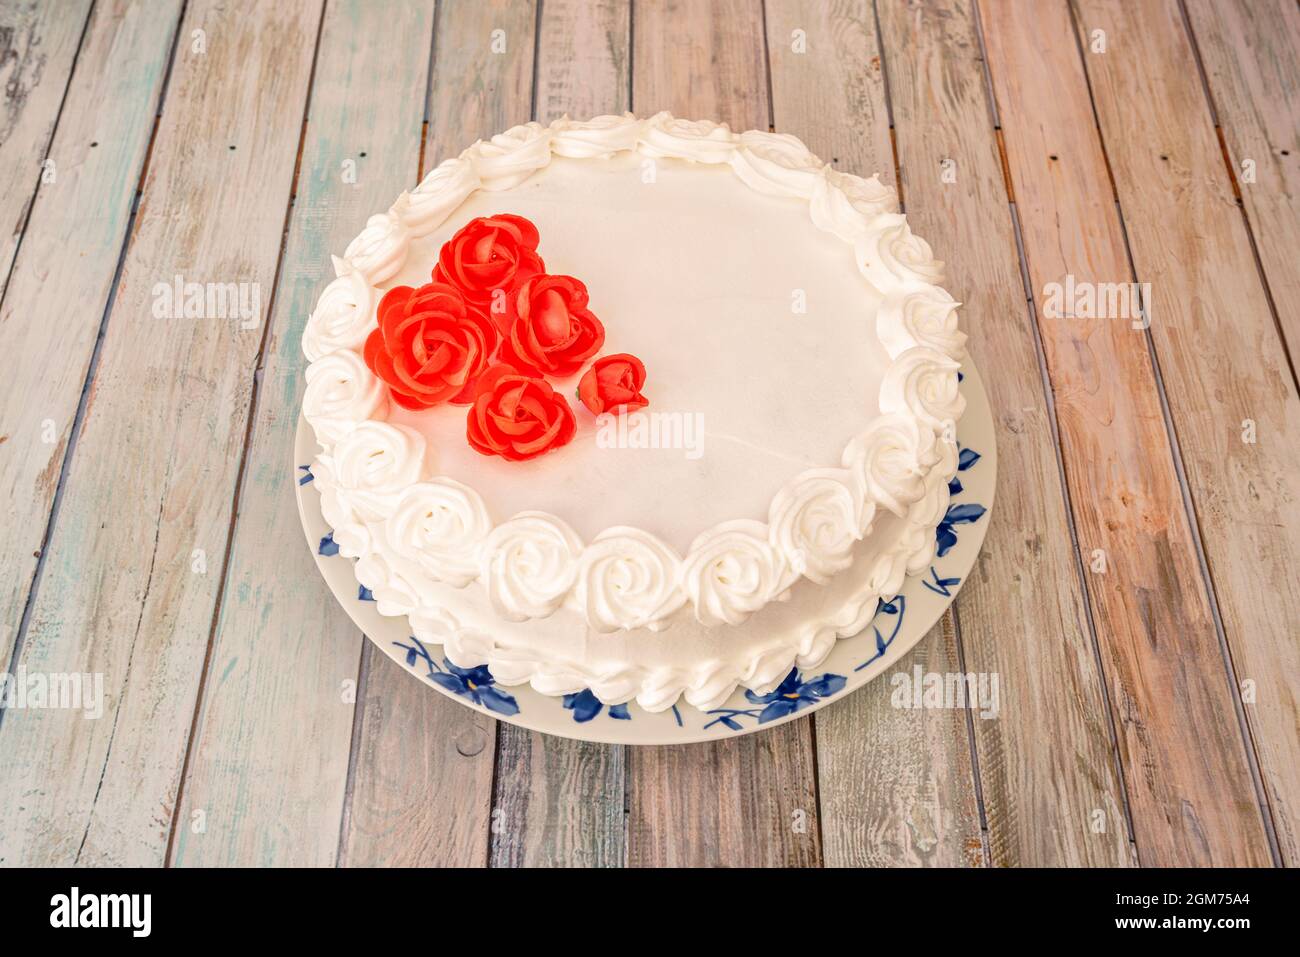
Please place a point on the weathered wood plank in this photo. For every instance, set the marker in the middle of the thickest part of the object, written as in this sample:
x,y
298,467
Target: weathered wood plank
x,y
896,786
38,47
1051,788
408,733
1187,773
95,161
748,800
149,492
281,802
1231,398
583,58
560,802
423,775
1251,53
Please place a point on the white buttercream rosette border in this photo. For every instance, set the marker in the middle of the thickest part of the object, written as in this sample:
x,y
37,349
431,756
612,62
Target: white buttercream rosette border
x,y
407,525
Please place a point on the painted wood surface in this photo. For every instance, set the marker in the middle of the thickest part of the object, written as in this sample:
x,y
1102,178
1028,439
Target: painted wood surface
x,y
133,565
895,786
39,42
1250,50
422,793
93,166
1186,769
750,800
1232,401
559,802
1023,615
285,707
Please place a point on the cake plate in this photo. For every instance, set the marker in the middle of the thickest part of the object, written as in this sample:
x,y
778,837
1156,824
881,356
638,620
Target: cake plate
x,y
896,628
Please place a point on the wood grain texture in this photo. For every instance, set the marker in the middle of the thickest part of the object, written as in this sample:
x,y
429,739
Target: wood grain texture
x,y
66,266
1049,780
38,45
423,776
748,800
418,797
560,802
828,87
280,803
1223,366
896,786
701,61
1251,53
1186,769
153,476
583,57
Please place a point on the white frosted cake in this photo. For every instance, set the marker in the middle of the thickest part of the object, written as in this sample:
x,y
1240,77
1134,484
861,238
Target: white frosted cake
x,y
640,406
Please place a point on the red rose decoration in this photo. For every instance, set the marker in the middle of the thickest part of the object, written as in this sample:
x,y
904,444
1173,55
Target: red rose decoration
x,y
613,384
430,346
553,332
488,254
517,416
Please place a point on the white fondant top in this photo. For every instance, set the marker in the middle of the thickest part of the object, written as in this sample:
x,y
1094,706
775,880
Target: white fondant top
x,y
751,230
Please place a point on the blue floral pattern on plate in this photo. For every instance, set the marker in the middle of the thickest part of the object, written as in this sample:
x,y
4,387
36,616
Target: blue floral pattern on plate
x,y
586,706
791,695
476,684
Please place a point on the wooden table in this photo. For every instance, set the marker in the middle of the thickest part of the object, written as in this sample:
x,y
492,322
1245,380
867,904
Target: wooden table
x,y
1139,591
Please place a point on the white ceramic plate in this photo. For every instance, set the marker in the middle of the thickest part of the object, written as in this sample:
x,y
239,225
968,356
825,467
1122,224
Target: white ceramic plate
x,y
853,662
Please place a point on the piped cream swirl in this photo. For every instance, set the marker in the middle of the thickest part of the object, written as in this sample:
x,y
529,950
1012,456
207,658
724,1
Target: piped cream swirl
x,y
923,383
509,158
599,137
889,461
344,314
440,192
380,249
776,164
628,578
815,521
440,525
731,571
529,564
889,253
700,141
341,393
925,316
374,463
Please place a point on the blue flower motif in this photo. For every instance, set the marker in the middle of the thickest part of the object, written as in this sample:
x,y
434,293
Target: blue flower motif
x,y
586,706
896,609
940,586
328,546
965,460
364,593
306,476
956,515
477,684
795,694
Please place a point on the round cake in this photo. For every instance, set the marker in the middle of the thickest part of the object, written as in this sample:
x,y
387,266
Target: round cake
x,y
641,406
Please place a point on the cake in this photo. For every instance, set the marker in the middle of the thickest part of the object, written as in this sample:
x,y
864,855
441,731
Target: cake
x,y
644,407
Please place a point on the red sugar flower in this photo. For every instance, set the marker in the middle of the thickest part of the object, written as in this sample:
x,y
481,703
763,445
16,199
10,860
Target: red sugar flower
x,y
552,331
487,259
430,346
613,384
517,416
